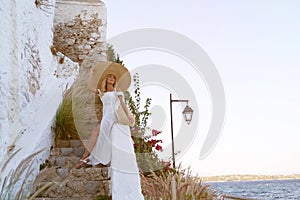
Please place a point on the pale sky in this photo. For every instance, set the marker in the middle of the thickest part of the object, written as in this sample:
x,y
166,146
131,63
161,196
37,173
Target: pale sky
x,y
255,47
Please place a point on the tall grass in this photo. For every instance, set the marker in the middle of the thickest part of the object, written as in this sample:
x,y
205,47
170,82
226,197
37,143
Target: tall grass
x,y
188,187
15,185
64,126
78,112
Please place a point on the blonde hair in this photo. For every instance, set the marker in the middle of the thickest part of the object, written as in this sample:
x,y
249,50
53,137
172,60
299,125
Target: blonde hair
x,y
103,84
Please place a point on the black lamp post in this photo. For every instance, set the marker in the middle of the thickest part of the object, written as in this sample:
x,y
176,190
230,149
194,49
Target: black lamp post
x,y
188,114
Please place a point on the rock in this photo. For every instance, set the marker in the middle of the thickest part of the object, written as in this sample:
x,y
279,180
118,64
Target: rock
x,y
62,143
62,172
60,161
70,41
87,47
66,151
79,151
95,35
75,143
55,152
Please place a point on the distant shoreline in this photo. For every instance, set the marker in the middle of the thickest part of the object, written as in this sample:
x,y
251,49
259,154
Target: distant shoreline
x,y
231,178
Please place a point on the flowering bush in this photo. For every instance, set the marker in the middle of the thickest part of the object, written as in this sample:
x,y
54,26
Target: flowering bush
x,y
146,145
146,149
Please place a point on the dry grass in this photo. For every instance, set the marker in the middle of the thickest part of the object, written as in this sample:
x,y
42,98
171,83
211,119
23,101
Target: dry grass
x,y
188,187
78,113
64,126
11,187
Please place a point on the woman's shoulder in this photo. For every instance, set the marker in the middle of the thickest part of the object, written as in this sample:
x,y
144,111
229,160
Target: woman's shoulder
x,y
119,92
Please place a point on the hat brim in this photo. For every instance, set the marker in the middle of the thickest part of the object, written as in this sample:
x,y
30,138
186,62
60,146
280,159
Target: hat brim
x,y
102,69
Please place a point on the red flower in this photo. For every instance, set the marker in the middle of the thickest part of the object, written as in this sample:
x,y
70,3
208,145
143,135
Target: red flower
x,y
166,163
166,169
158,147
155,132
152,142
136,145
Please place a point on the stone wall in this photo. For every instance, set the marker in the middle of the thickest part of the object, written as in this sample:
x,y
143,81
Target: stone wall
x,y
80,29
80,34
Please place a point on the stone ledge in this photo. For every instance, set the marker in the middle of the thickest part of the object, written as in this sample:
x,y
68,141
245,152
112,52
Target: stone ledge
x,y
76,189
96,174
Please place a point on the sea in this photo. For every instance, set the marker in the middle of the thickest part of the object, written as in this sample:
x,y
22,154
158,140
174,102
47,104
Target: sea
x,y
268,189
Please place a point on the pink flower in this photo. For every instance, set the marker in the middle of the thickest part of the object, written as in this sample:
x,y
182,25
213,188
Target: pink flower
x,y
155,132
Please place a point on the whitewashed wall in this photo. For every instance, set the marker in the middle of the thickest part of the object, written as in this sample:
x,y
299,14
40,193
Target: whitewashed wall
x,y
31,79
30,92
25,39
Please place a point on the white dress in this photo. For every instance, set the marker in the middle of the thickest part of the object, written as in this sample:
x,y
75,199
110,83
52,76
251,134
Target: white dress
x,y
115,145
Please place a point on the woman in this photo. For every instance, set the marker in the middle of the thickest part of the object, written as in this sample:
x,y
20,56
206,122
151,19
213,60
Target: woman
x,y
114,144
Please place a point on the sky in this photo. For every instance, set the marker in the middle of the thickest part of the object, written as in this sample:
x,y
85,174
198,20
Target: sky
x,y
255,47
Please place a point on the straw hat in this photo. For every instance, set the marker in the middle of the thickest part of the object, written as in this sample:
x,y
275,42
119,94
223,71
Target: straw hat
x,y
102,69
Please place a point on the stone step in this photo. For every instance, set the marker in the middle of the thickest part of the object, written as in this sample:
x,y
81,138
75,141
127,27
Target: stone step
x,y
70,143
54,174
62,161
65,182
76,189
67,162
67,151
86,197
64,198
92,174
47,175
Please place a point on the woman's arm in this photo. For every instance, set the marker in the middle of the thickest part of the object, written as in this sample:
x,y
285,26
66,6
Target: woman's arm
x,y
93,90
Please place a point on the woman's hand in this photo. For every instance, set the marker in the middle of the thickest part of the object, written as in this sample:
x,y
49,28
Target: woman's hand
x,y
131,118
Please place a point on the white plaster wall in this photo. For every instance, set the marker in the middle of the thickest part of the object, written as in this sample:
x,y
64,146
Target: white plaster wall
x,y
31,79
30,92
4,73
26,36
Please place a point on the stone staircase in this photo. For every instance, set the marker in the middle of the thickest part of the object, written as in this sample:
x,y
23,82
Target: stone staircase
x,y
60,180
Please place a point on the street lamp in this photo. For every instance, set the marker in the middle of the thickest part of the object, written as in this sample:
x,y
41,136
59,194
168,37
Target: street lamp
x,y
188,114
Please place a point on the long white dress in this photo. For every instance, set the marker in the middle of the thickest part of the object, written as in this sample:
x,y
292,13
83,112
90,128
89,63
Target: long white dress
x,y
115,145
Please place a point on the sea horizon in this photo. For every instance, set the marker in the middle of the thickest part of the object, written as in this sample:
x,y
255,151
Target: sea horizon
x,y
259,189
248,177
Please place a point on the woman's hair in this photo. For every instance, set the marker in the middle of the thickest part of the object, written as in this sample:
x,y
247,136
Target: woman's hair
x,y
103,84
